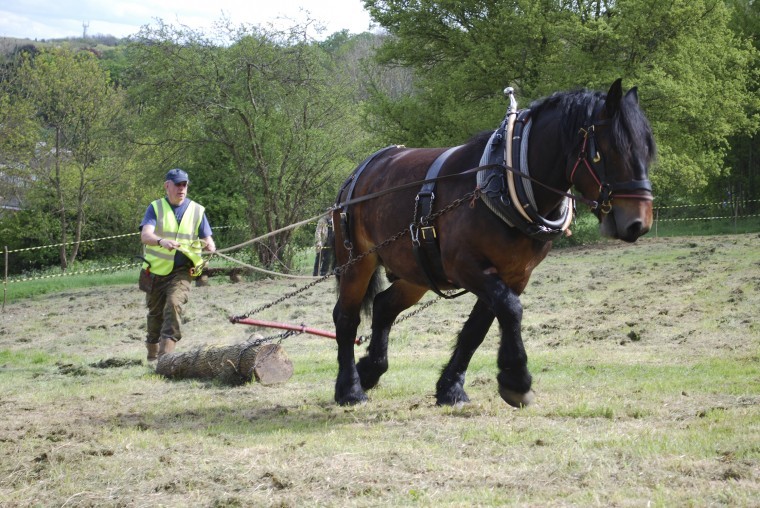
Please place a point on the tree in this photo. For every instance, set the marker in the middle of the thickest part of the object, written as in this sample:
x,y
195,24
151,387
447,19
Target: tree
x,y
79,117
692,69
265,112
17,135
17,138
743,182
695,76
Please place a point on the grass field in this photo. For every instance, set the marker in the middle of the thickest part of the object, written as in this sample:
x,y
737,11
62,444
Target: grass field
x,y
646,365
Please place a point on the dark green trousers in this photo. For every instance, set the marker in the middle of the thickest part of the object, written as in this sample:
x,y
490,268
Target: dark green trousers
x,y
165,301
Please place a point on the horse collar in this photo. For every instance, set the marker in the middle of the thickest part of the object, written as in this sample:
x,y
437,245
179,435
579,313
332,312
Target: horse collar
x,y
510,196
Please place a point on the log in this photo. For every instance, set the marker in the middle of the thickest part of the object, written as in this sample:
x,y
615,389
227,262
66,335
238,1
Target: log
x,y
231,365
235,275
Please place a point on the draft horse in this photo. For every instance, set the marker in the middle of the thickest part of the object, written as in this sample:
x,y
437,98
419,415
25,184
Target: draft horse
x,y
521,175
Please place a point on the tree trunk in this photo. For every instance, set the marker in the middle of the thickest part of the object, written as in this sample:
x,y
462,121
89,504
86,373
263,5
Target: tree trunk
x,y
232,365
61,201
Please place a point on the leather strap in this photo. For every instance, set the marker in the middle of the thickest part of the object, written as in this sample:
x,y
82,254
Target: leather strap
x,y
351,183
424,235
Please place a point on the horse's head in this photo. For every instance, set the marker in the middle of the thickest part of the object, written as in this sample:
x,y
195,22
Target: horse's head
x,y
612,166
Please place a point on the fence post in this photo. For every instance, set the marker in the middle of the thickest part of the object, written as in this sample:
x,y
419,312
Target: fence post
x,y
736,215
656,218
5,279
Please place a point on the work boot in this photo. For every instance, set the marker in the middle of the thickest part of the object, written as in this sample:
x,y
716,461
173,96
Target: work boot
x,y
152,351
166,346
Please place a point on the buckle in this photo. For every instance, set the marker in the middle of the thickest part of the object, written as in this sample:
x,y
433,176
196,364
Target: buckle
x,y
430,231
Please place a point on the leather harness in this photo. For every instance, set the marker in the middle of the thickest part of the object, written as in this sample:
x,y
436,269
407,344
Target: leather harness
x,y
351,183
504,192
496,191
424,235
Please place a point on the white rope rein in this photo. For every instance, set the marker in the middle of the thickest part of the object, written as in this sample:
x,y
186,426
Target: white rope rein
x,y
221,252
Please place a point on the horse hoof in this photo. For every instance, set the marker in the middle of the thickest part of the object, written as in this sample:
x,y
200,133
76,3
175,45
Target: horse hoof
x,y
515,399
370,372
352,399
457,399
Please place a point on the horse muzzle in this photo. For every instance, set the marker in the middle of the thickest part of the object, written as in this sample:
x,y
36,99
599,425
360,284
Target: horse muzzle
x,y
627,220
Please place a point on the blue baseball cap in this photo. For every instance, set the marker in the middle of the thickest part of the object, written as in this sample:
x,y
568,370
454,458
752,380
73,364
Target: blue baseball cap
x,y
177,175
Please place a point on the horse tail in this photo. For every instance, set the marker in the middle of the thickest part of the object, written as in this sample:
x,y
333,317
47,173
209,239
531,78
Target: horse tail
x,y
374,287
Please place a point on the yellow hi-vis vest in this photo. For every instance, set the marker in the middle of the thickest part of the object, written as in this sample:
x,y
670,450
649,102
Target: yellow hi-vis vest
x,y
186,233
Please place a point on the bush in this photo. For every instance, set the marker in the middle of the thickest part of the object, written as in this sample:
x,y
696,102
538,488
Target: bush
x,y
585,230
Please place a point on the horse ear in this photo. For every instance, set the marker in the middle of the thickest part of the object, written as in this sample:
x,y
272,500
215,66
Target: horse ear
x,y
633,94
614,96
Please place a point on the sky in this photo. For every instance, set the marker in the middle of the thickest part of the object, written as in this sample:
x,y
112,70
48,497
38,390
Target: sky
x,y
53,19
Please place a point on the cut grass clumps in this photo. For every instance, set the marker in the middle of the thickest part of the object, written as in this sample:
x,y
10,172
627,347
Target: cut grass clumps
x,y
670,419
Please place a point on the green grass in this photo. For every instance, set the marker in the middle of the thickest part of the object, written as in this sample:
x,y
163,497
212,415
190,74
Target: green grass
x,y
21,359
52,280
20,288
706,227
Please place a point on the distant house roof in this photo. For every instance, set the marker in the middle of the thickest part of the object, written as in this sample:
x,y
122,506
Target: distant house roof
x,y
15,188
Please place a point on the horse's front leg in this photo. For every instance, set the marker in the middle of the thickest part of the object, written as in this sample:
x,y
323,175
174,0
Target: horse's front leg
x,y
348,390
504,303
386,307
450,386
514,379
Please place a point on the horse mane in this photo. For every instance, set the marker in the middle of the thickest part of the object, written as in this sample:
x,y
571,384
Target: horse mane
x,y
632,126
631,130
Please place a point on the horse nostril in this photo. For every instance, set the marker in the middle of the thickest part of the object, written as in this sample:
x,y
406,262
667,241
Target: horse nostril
x,y
636,229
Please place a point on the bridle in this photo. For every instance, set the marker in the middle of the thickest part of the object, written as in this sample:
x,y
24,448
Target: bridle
x,y
595,166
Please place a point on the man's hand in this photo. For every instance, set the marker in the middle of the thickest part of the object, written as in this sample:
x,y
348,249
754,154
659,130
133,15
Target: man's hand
x,y
210,245
168,244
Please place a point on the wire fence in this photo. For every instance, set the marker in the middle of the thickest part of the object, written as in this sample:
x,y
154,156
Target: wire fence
x,y
719,217
676,220
130,263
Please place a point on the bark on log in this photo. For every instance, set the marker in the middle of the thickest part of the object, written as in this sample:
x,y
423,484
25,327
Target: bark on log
x,y
232,365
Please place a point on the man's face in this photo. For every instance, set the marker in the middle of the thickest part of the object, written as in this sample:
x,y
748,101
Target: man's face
x,y
176,192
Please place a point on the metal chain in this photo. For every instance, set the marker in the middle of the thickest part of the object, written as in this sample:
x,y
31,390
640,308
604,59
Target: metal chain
x,y
470,196
283,297
416,311
261,340
429,219
340,269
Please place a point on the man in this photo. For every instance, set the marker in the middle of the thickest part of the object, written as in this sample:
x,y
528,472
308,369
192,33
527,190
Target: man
x,y
174,231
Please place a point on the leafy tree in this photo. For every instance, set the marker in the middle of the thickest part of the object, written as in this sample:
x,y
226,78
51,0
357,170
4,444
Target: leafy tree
x,y
79,115
743,182
695,74
692,69
262,114
17,138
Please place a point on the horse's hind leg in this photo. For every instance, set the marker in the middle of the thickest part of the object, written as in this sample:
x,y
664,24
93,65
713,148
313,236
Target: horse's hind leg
x,y
387,306
353,288
450,387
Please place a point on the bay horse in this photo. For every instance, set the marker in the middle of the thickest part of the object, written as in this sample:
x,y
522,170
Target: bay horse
x,y
600,144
